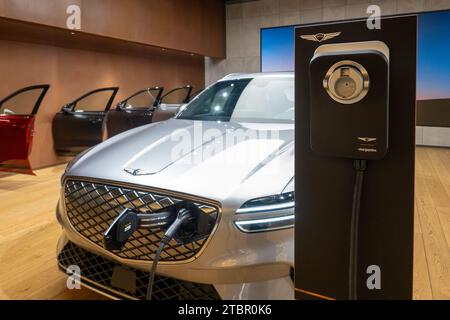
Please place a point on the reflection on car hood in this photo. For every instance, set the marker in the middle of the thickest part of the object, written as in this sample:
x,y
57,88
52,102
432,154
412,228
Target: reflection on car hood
x,y
209,159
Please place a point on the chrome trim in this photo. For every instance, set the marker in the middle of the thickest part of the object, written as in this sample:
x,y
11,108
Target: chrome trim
x,y
272,207
242,224
361,91
354,46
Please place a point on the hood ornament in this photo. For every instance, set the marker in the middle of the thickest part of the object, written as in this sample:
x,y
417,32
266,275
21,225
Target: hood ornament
x,y
320,37
137,172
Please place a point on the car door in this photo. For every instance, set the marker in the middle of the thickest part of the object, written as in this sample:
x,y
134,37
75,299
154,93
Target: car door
x,y
17,117
171,102
135,111
78,126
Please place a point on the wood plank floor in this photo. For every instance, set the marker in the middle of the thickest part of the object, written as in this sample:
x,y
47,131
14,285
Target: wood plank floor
x,y
29,232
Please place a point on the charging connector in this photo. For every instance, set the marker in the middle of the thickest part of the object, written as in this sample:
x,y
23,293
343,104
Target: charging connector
x,y
184,222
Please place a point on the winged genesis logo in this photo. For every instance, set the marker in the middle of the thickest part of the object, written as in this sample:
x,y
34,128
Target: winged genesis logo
x,y
320,37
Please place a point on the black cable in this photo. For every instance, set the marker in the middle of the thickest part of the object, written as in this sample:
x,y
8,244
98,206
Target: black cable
x,y
360,167
151,279
183,216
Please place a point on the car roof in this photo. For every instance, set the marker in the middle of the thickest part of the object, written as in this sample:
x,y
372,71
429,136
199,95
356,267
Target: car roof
x,y
236,76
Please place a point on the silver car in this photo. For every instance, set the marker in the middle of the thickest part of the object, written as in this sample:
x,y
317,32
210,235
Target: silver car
x,y
228,156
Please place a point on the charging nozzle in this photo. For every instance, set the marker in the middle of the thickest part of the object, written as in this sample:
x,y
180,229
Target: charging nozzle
x,y
129,221
184,216
196,225
118,233
184,222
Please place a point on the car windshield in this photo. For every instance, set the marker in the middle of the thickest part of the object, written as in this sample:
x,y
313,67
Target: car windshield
x,y
261,99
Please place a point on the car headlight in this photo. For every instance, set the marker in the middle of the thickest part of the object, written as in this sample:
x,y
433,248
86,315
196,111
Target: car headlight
x,y
269,213
270,203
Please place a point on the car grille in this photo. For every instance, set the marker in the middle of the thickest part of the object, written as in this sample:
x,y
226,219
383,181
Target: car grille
x,y
97,272
92,207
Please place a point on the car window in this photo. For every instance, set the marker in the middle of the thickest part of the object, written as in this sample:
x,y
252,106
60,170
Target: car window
x,y
142,100
177,96
219,99
266,100
22,103
95,102
262,99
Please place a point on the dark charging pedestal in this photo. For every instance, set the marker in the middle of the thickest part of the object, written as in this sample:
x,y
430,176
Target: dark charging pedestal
x,y
324,185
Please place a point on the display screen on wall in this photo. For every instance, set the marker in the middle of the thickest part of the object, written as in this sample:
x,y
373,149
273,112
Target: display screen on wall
x,y
433,70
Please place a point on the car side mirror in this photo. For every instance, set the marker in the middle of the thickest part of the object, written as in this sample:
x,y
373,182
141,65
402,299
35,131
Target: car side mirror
x,y
122,105
162,107
8,112
67,108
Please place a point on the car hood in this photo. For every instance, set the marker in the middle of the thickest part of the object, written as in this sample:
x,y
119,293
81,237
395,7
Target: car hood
x,y
208,159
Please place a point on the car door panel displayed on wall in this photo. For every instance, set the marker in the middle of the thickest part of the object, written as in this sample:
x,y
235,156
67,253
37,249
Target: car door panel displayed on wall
x,y
133,112
17,116
78,126
171,103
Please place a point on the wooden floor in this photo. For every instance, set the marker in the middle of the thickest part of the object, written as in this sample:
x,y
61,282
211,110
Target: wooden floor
x,y
29,232
432,231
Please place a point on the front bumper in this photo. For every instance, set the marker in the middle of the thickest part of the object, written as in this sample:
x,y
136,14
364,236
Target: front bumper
x,y
98,273
237,265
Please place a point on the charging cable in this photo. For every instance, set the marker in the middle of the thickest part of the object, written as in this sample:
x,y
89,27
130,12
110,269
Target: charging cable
x,y
183,216
119,232
360,167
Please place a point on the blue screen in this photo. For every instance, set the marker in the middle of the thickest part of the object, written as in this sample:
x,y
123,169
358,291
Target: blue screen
x,y
433,70
277,49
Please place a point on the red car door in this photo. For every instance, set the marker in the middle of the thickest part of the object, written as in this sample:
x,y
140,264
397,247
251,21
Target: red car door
x,y
17,116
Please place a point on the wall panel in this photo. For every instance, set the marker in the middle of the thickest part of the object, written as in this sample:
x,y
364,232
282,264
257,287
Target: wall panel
x,y
72,72
244,19
196,26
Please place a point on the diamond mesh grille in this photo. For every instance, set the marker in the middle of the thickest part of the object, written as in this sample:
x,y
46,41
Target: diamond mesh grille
x,y
92,207
100,271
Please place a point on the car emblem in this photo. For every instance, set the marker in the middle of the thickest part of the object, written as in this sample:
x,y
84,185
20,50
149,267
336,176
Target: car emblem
x,y
321,36
137,172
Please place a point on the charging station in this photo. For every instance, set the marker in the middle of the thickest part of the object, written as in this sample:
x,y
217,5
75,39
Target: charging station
x,y
355,159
